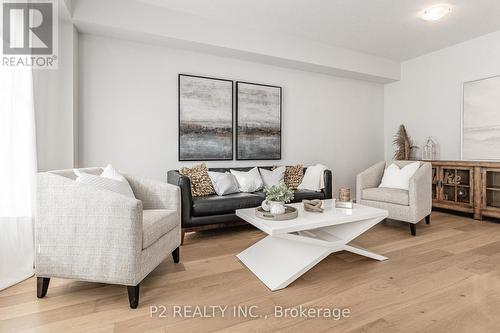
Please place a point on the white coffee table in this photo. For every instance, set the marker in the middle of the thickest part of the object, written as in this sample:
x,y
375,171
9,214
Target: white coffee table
x,y
295,246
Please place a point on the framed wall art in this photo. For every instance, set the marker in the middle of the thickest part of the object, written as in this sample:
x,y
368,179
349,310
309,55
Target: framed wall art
x,y
205,118
481,119
258,121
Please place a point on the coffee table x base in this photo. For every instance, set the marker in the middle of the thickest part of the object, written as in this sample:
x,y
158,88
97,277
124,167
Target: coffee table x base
x,y
280,259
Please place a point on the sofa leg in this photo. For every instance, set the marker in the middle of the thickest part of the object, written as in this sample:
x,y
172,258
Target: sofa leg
x,y
428,219
176,255
182,236
413,229
42,284
133,296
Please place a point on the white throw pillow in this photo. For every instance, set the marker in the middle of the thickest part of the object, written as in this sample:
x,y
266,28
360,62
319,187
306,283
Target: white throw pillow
x,y
313,178
224,183
272,177
394,177
248,181
110,180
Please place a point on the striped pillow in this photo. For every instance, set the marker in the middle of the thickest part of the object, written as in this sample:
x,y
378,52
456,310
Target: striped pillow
x,y
110,180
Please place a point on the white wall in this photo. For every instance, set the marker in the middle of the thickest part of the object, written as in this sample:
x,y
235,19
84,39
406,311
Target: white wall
x,y
157,24
428,98
128,109
55,104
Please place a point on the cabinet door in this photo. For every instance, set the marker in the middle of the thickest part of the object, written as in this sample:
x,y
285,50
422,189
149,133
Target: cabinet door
x,y
456,186
435,183
491,188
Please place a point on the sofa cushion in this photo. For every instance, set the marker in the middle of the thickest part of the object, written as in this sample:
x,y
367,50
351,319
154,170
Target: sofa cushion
x,y
300,195
248,181
293,175
214,204
200,181
389,195
156,223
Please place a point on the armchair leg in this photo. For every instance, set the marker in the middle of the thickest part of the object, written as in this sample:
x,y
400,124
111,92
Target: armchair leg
x,y
428,219
413,229
42,284
133,296
176,254
182,236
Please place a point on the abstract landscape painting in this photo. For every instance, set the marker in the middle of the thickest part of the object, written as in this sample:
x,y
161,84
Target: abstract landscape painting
x,y
205,118
481,120
258,122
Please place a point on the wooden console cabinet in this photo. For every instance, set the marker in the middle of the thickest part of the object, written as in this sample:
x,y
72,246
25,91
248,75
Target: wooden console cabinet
x,y
467,186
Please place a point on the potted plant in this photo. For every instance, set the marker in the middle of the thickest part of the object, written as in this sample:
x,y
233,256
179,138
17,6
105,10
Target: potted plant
x,y
276,197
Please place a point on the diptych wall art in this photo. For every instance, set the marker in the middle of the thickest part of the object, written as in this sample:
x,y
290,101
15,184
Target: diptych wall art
x,y
205,118
481,119
258,122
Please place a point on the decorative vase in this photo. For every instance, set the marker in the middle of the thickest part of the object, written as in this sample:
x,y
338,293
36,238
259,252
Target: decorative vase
x,y
344,194
274,207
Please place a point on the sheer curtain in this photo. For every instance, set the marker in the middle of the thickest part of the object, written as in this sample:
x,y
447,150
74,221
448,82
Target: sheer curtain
x,y
17,174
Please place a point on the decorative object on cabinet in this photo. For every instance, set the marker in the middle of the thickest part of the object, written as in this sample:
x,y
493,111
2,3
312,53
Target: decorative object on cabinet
x,y
481,119
467,186
403,145
429,151
205,118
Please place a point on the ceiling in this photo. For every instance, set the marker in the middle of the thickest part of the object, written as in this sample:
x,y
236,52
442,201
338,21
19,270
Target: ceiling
x,y
385,28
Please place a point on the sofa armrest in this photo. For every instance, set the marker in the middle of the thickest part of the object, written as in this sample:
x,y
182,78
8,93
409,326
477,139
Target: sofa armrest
x,y
369,178
155,194
327,176
86,233
420,191
175,178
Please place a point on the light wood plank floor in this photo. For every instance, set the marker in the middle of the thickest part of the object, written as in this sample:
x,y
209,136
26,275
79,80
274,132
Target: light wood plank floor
x,y
447,279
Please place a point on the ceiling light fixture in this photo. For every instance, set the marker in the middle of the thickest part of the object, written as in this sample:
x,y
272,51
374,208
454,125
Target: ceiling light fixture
x,y
436,12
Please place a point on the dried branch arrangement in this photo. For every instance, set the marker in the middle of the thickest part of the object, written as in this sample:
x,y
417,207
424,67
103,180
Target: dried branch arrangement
x,y
403,144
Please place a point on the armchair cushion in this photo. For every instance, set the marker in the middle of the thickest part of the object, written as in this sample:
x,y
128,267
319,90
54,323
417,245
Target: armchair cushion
x,y
156,223
396,177
389,195
109,180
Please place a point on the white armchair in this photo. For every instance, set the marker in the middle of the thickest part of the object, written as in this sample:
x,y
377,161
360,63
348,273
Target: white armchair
x,y
410,206
90,234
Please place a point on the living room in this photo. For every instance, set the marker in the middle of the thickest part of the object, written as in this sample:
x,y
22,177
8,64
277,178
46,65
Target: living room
x,y
249,166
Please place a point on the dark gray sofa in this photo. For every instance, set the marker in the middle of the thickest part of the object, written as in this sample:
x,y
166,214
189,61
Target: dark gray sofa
x,y
210,211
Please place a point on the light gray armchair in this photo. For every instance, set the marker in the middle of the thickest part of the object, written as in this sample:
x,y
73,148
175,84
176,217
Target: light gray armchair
x,y
409,206
90,234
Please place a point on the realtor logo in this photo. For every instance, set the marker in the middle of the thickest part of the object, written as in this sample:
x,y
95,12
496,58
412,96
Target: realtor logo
x,y
29,33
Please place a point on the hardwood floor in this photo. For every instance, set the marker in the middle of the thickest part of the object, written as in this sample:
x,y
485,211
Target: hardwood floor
x,y
446,279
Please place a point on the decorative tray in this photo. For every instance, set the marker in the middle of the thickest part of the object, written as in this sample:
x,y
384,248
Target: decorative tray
x,y
290,213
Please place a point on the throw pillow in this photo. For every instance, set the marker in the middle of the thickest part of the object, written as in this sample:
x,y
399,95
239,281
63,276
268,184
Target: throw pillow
x,y
272,177
110,179
223,183
249,181
201,184
293,176
313,179
394,177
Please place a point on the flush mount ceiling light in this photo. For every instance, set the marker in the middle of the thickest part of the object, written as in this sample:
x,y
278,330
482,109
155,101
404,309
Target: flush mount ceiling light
x,y
436,12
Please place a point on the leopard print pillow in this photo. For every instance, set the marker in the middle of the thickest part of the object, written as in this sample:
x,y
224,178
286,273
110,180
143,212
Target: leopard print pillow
x,y
201,184
293,176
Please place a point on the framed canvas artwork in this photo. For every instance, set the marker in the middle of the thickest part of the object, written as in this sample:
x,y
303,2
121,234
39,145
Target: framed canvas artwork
x,y
481,119
258,121
205,118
